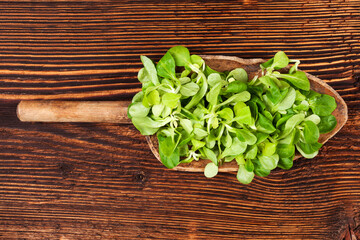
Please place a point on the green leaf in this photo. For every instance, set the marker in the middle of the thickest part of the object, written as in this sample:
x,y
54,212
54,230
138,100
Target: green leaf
x,y
183,150
323,105
168,151
307,155
315,119
259,170
185,73
150,70
290,138
165,87
285,150
256,91
299,96
153,97
288,101
269,162
251,152
308,150
261,137
261,105
303,106
264,125
186,139
213,94
291,123
171,99
189,89
240,160
197,114
253,109
184,80
327,124
269,148
297,135
268,115
148,126
187,125
283,120
143,76
239,97
210,143
166,67
197,144
246,136
166,83
236,148
311,132
213,79
283,85
147,85
244,176
239,74
166,145
226,113
138,97
181,55
243,116
211,170
157,109
267,63
226,140
249,166
200,133
199,95
272,90
166,112
196,59
237,107
210,155
280,60
229,159
137,109
298,79
170,161
286,162
311,94
236,87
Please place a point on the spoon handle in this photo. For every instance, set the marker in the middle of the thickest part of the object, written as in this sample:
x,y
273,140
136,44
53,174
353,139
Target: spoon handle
x,y
73,111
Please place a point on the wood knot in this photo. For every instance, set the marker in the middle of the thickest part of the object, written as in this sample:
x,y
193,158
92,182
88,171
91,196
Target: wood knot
x,y
65,169
140,177
357,79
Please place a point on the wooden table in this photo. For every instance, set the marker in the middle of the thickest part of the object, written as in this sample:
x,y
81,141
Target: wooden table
x,y
100,181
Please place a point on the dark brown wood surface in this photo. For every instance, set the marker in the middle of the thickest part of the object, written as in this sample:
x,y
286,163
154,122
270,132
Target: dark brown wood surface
x,y
101,181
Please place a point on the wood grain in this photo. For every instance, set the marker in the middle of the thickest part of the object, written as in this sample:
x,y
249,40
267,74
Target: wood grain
x,y
73,111
100,181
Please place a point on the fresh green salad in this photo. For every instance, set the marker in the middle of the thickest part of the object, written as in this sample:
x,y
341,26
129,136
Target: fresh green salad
x,y
199,113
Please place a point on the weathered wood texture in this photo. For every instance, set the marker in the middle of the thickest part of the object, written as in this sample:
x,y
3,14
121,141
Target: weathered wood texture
x,y
100,181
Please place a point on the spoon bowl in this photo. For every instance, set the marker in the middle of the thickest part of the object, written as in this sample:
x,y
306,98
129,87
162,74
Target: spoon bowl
x,y
251,66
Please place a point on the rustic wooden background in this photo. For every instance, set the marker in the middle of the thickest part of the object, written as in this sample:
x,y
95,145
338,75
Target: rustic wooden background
x,y
100,181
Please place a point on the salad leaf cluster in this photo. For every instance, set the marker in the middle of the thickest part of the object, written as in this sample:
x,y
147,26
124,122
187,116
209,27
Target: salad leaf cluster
x,y
199,113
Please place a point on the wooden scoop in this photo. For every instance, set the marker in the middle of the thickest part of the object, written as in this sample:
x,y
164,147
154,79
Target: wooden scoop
x,y
116,111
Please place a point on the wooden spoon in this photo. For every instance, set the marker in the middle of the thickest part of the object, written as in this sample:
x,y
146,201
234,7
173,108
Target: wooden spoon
x,y
116,111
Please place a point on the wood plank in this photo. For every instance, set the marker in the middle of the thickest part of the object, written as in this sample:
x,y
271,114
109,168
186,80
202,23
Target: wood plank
x,y
100,181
